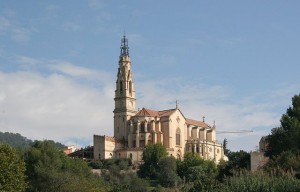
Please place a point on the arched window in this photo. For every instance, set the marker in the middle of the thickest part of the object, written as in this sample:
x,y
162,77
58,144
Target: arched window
x,y
178,136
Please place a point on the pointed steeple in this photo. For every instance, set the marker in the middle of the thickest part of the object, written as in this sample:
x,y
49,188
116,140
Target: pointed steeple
x,y
124,46
124,94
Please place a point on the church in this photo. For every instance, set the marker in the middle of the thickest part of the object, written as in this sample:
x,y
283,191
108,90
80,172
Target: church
x,y
134,129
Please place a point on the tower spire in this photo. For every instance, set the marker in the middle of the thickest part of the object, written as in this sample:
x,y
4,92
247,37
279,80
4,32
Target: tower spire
x,y
124,46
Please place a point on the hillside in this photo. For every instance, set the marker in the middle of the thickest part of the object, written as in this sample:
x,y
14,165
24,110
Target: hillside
x,y
18,141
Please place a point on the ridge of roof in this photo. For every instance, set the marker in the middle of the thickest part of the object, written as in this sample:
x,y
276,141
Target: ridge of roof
x,y
153,113
197,123
147,112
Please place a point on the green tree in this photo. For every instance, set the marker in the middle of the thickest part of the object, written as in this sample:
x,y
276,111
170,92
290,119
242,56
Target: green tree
x,y
287,136
151,156
167,176
49,169
190,160
199,174
237,161
286,162
225,142
12,170
121,178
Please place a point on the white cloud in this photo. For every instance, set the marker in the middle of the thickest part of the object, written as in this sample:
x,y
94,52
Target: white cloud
x,y
26,60
61,102
54,106
216,103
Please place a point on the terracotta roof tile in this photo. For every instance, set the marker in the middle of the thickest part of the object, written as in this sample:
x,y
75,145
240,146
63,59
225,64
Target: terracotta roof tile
x,y
147,113
197,123
166,113
152,113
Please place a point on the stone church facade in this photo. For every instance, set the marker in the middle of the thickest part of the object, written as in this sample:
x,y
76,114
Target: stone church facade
x,y
133,129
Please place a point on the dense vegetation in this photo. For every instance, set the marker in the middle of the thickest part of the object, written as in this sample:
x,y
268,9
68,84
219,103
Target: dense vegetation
x,y
12,169
284,141
15,140
42,166
18,141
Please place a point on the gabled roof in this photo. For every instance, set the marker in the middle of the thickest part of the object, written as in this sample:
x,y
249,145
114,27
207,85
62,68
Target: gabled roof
x,y
147,113
196,123
166,113
152,113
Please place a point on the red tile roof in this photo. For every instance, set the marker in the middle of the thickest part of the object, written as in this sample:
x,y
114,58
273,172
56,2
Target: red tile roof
x,y
197,123
151,113
166,113
147,113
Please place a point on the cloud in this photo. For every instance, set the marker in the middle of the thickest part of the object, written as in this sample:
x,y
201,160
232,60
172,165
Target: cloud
x,y
69,103
216,103
16,32
55,106
26,60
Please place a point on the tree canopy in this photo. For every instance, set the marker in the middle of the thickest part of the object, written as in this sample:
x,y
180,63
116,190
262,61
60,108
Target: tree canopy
x,y
49,169
287,136
12,170
151,155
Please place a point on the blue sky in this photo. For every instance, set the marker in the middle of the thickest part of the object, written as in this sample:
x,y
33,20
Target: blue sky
x,y
234,62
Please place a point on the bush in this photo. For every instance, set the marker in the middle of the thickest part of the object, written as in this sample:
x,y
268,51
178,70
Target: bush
x,y
260,181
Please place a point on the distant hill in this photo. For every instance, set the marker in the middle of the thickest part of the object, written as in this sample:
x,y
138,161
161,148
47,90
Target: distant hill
x,y
18,141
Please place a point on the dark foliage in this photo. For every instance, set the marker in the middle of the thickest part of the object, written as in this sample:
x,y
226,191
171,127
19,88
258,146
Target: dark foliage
x,y
287,136
238,161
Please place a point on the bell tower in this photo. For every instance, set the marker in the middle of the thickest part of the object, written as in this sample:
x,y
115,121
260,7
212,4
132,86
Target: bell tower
x,y
124,94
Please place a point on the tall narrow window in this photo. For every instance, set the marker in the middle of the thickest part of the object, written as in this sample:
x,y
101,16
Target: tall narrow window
x,y
130,87
178,136
143,127
121,86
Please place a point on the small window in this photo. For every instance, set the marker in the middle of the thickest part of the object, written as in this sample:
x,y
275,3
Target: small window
x,y
130,155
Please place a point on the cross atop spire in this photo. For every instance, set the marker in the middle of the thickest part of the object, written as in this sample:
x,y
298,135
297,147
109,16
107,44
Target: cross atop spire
x,y
124,46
